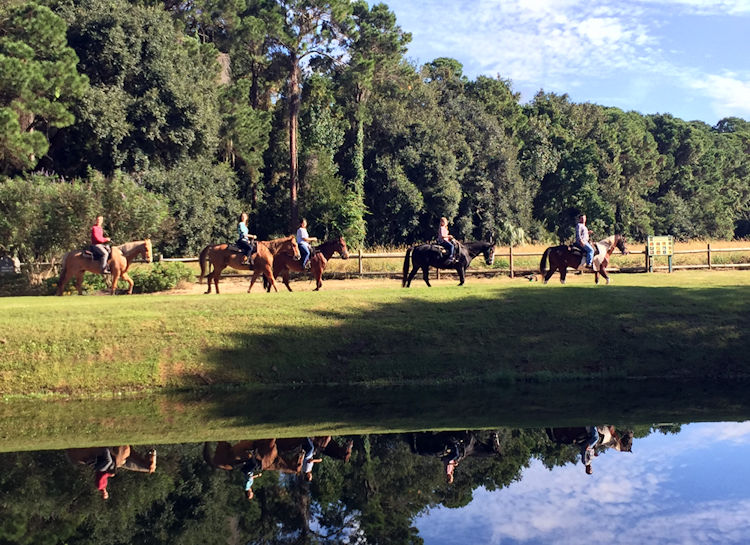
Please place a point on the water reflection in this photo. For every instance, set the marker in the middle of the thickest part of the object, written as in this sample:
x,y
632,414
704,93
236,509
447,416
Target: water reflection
x,y
500,486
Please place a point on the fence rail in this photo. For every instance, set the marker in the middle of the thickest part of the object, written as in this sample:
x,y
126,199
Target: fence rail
x,y
512,269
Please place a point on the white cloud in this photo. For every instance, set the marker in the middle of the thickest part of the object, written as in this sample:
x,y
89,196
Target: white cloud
x,y
728,92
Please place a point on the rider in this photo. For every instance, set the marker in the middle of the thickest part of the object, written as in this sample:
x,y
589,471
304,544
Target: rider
x,y
582,239
587,451
303,241
445,239
98,241
251,469
245,241
309,460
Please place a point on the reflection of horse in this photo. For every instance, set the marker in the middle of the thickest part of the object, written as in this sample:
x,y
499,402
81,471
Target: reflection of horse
x,y
564,256
578,436
452,447
425,256
77,262
284,455
123,457
221,256
282,264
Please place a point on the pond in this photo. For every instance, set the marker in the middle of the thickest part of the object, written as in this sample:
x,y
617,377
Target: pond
x,y
680,483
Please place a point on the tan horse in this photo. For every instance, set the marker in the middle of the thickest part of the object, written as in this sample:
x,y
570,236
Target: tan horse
x,y
77,262
267,249
221,256
282,264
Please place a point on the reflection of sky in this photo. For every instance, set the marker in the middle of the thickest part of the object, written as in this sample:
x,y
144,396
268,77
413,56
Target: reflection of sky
x,y
689,488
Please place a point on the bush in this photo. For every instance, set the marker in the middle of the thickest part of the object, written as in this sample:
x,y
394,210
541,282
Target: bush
x,y
160,277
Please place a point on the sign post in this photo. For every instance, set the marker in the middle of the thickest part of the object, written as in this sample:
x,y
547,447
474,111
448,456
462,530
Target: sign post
x,y
660,245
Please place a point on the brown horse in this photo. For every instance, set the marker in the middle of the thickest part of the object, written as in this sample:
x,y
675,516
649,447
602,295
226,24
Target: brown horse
x,y
564,256
283,264
77,262
221,256
267,251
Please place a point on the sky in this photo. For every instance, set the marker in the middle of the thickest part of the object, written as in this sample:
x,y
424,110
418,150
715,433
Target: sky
x,y
688,58
684,489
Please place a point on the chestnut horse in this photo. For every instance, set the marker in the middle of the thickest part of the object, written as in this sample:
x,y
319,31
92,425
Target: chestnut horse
x,y
221,256
77,262
564,256
282,264
267,251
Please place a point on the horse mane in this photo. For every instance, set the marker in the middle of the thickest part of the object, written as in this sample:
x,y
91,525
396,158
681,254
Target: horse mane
x,y
276,242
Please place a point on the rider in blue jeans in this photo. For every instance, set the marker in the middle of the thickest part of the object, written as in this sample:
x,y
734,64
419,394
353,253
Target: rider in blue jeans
x,y
582,239
303,241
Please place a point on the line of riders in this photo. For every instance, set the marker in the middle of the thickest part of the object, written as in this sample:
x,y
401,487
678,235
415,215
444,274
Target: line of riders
x,y
247,243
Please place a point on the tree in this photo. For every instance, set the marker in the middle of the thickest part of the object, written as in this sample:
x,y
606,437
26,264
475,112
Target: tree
x,y
303,30
39,83
153,95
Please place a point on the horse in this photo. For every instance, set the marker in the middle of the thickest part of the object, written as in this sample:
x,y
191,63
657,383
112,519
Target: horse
x,y
77,262
221,256
578,436
564,256
267,250
283,264
425,256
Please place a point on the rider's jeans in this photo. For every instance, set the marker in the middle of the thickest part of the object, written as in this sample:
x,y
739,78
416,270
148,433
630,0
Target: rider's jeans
x,y
589,253
304,250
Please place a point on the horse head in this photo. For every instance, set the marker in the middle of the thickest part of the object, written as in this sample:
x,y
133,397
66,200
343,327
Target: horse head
x,y
489,253
148,251
341,248
620,244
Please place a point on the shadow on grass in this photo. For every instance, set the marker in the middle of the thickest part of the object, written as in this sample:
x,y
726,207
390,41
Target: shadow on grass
x,y
543,334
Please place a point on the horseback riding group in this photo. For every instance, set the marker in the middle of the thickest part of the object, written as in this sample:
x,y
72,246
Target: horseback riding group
x,y
279,257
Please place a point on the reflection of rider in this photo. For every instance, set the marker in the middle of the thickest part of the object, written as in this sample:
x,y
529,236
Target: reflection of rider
x,y
587,449
106,461
303,241
244,241
451,460
98,241
251,469
582,239
309,460
445,239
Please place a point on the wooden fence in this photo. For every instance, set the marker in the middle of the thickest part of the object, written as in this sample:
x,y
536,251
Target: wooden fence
x,y
512,270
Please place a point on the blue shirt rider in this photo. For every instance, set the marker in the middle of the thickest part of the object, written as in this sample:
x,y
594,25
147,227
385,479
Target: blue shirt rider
x,y
244,240
582,239
303,241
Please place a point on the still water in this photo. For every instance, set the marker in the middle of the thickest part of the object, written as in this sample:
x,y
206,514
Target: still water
x,y
667,483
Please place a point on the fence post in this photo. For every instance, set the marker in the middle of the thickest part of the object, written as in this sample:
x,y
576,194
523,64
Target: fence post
x,y
359,262
648,260
708,253
437,273
510,252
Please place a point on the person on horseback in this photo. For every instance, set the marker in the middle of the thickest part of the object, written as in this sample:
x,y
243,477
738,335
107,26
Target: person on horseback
x,y
251,469
445,240
582,239
303,241
246,241
98,241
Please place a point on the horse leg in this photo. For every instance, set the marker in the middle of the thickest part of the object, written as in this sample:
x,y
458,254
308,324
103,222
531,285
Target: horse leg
x,y
318,274
426,275
115,279
461,274
604,274
563,273
412,274
596,277
268,273
79,282
126,277
285,279
252,280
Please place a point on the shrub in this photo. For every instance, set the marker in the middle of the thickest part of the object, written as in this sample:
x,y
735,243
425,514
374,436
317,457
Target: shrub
x,y
160,277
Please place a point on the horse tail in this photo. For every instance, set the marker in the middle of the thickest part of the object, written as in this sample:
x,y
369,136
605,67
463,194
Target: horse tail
x,y
406,267
543,263
203,259
63,272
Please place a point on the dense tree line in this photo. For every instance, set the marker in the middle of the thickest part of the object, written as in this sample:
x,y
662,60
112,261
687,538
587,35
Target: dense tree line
x,y
286,108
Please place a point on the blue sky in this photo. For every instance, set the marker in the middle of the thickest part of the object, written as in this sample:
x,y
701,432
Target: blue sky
x,y
684,489
689,58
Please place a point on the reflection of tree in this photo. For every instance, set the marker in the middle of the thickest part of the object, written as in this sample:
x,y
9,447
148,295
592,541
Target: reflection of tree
x,y
373,499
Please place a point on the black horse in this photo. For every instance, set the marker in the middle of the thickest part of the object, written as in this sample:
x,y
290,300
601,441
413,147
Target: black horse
x,y
425,256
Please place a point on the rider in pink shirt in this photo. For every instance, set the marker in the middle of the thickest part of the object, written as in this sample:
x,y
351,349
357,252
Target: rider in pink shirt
x,y
98,241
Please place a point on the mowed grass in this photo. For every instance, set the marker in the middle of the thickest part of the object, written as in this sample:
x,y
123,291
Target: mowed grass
x,y
686,325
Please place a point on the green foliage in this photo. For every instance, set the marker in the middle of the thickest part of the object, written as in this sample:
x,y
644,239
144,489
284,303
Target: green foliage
x,y
153,98
42,216
160,277
38,85
203,204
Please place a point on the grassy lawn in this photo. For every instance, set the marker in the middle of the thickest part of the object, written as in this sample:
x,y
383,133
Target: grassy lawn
x,y
683,325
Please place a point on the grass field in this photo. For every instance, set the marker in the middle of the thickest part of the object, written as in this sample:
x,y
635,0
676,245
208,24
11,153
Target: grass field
x,y
683,325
